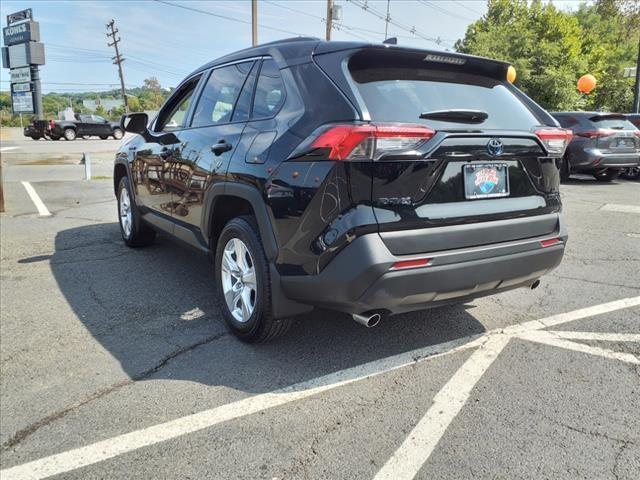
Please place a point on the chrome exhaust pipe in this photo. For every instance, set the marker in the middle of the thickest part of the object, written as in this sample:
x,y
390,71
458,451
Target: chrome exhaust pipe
x,y
367,320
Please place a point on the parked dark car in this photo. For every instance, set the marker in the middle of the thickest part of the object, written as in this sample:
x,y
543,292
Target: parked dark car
x,y
603,144
633,173
368,179
83,126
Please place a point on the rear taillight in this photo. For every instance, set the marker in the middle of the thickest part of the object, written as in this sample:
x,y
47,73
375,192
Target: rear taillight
x,y
51,124
370,141
636,133
555,140
601,132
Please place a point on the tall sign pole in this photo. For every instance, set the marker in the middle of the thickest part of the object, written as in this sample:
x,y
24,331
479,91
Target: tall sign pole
x,y
636,94
254,22
117,60
23,53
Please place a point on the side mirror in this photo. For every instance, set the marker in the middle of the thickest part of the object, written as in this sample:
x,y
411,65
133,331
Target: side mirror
x,y
134,122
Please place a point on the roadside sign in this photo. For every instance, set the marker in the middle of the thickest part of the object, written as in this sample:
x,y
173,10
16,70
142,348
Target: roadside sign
x,y
24,54
22,102
21,33
21,87
20,16
629,72
20,75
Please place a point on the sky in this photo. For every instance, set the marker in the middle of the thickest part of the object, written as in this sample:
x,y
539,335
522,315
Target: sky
x,y
170,38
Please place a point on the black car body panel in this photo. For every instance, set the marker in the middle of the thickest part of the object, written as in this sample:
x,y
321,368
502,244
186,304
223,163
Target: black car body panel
x,y
328,225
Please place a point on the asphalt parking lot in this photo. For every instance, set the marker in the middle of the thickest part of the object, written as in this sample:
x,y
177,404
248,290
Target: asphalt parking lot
x,y
116,362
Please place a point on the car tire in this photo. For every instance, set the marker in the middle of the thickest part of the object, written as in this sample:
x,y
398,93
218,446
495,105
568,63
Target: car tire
x,y
632,173
243,283
565,170
69,134
135,232
118,134
607,175
54,138
104,137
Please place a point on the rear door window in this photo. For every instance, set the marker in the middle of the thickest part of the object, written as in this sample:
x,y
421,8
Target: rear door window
x,y
269,91
401,94
219,95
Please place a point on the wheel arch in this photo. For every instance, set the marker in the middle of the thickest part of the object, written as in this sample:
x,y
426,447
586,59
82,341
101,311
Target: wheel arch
x,y
226,200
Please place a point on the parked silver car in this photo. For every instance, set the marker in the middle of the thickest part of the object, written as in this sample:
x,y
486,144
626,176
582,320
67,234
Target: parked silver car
x,y
603,144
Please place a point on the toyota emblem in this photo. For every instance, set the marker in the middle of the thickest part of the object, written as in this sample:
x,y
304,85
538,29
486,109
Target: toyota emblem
x,y
495,147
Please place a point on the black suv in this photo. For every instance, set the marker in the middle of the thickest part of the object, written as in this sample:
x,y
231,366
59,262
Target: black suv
x,y
369,179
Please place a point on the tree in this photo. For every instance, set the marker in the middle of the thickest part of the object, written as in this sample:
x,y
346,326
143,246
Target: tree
x,y
551,49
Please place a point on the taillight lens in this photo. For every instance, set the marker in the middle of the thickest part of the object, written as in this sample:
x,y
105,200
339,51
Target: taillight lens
x,y
601,132
370,141
51,124
555,140
550,242
637,133
417,263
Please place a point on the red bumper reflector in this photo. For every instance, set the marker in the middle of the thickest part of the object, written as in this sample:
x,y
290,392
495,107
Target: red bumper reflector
x,y
549,242
420,262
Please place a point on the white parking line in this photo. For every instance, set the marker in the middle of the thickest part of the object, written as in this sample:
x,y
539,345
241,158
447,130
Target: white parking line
x,y
8,149
417,448
458,390
35,198
598,336
550,338
621,208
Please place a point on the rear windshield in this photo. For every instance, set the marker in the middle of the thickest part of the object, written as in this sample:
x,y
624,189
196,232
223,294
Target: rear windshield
x,y
402,94
615,123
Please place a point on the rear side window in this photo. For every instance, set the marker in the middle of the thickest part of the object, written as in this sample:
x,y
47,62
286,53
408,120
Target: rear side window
x,y
269,91
567,121
243,105
401,93
614,123
219,95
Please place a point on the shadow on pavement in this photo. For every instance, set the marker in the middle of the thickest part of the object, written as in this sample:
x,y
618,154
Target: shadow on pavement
x,y
154,310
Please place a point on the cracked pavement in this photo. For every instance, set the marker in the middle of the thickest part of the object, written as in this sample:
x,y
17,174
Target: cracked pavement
x,y
98,340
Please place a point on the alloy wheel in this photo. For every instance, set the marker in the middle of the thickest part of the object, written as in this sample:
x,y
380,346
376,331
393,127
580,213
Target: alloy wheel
x,y
239,280
125,212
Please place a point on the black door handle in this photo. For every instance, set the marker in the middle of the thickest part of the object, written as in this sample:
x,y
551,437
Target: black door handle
x,y
221,147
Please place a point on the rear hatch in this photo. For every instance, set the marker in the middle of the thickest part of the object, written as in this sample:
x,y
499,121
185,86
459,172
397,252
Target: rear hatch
x,y
483,163
617,135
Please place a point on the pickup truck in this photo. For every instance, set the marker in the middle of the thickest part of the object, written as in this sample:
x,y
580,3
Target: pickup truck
x,y
83,126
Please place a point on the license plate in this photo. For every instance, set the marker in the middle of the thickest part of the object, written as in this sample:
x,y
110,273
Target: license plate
x,y
485,180
625,143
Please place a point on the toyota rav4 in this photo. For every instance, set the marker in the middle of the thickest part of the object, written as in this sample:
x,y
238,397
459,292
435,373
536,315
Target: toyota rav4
x,y
368,179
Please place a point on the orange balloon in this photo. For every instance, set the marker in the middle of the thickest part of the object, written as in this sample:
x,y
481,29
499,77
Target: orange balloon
x,y
586,83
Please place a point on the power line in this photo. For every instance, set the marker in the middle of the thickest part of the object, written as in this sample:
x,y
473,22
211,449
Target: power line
x,y
446,12
472,10
233,19
382,16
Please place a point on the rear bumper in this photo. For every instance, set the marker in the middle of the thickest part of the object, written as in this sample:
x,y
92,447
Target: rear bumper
x,y
359,279
595,159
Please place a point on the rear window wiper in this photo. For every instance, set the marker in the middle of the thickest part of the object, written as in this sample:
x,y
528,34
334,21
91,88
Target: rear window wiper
x,y
457,116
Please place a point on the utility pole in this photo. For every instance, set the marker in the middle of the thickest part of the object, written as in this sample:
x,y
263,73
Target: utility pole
x,y
636,94
254,22
117,60
386,20
329,18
